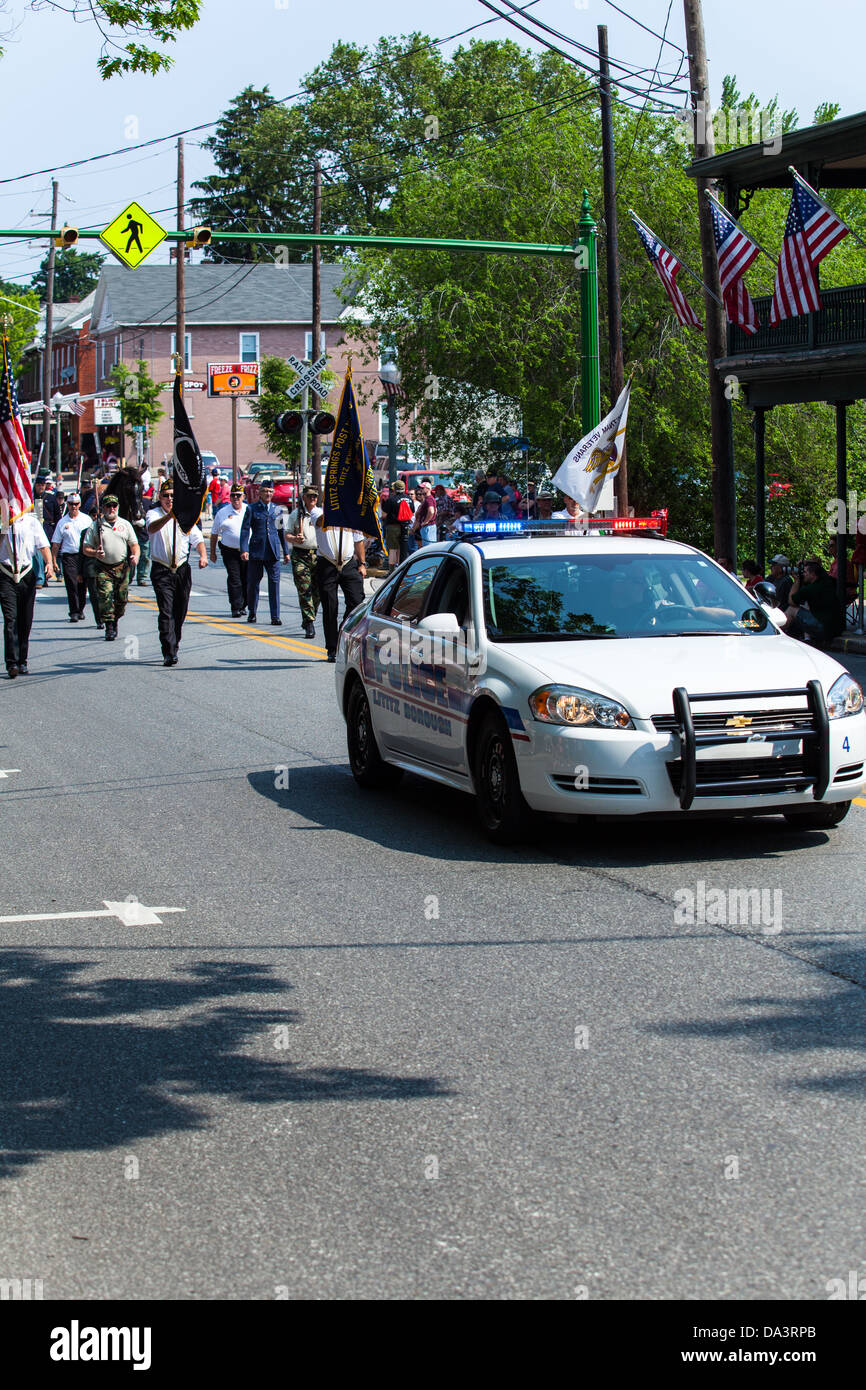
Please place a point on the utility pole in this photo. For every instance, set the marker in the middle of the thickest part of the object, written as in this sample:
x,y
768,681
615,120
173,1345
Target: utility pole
x,y
614,305
721,418
317,314
180,311
49,341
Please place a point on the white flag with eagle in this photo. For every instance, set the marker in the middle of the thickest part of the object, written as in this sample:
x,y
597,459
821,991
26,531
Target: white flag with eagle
x,y
596,457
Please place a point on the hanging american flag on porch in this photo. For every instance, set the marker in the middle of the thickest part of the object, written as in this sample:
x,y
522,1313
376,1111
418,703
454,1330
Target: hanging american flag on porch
x,y
667,267
811,231
735,251
16,489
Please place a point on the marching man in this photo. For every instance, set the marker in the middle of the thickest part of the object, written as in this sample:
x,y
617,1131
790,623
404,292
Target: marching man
x,y
170,573
112,543
18,546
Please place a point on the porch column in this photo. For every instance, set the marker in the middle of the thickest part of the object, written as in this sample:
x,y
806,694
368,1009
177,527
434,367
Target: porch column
x,y
760,490
842,491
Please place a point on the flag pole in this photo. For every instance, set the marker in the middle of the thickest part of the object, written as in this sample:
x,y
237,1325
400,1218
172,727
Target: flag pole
x,y
799,177
731,218
704,287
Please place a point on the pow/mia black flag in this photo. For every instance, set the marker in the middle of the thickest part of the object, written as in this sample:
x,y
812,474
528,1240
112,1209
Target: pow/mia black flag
x,y
188,471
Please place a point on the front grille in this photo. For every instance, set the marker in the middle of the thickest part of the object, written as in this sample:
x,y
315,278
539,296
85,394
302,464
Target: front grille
x,y
607,786
738,776
762,721
850,773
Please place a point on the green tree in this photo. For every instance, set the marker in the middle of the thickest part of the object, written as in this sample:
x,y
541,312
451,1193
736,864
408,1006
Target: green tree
x,y
139,395
19,311
75,275
157,20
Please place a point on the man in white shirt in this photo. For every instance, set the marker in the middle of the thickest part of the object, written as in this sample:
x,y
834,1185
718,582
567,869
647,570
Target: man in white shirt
x,y
170,573
227,530
340,564
572,510
301,531
112,543
66,542
18,546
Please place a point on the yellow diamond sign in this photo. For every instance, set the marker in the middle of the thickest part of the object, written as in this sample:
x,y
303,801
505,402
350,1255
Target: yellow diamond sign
x,y
132,235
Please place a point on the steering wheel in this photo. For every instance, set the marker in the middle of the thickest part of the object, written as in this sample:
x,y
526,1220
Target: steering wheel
x,y
674,613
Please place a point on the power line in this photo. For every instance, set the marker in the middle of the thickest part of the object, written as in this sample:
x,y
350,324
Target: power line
x,y
641,116
626,14
208,125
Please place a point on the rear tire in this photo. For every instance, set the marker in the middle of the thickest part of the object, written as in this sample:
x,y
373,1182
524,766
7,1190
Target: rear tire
x,y
368,766
502,810
819,817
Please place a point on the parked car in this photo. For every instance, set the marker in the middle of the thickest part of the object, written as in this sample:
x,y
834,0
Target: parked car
x,y
284,485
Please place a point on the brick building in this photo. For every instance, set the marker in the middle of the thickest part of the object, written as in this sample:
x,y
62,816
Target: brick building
x,y
233,314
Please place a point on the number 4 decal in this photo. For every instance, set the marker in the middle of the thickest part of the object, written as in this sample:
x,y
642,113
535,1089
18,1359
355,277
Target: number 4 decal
x,y
846,745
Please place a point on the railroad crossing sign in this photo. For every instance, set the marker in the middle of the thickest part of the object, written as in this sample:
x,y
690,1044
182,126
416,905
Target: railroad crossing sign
x,y
308,376
132,235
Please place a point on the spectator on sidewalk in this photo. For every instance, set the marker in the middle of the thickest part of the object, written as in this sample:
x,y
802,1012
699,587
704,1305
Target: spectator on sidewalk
x,y
815,614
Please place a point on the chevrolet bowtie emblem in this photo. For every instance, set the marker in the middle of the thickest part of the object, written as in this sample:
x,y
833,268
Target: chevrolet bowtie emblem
x,y
739,721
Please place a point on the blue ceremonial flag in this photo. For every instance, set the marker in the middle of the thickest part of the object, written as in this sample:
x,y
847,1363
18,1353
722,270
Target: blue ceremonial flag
x,y
350,495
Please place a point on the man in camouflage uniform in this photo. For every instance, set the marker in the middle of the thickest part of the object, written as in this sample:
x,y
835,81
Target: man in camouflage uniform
x,y
111,542
301,531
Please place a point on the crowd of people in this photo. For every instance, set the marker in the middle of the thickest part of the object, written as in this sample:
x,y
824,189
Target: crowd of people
x,y
121,530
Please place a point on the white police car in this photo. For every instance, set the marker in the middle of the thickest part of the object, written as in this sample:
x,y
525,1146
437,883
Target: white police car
x,y
602,674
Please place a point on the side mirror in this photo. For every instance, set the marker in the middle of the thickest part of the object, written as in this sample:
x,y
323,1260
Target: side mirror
x,y
440,624
765,590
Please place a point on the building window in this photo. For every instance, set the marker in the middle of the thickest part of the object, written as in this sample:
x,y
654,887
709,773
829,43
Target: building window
x,y
187,350
308,344
249,347
384,436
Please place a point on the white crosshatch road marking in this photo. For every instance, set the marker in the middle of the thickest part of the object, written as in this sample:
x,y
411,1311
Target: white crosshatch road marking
x,y
130,914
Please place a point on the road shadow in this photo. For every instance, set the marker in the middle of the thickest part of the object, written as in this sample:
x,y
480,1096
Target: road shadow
x,y
93,1063
831,1018
421,817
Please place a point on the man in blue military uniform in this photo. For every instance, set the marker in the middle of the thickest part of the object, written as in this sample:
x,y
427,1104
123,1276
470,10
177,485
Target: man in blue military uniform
x,y
261,544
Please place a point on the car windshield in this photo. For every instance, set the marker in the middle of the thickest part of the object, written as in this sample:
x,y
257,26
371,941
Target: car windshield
x,y
580,597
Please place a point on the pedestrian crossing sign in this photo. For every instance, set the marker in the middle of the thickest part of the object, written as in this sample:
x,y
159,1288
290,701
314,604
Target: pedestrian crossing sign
x,y
132,235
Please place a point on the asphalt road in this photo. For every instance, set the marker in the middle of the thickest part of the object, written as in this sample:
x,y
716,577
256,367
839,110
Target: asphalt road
x,y
366,1054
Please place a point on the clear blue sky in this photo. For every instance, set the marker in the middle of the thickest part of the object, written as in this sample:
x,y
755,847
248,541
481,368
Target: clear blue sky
x,y
56,108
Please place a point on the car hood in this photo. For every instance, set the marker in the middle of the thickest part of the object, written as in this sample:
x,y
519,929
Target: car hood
x,y
641,673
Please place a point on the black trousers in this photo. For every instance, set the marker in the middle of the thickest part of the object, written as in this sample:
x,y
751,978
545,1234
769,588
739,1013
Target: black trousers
x,y
172,596
236,576
17,601
329,579
76,584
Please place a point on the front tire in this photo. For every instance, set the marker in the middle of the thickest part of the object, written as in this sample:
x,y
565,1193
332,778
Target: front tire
x,y
368,766
819,817
502,810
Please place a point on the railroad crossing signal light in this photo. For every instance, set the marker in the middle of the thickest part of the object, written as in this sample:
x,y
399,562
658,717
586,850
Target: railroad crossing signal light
x,y
200,237
68,237
322,422
293,421
290,422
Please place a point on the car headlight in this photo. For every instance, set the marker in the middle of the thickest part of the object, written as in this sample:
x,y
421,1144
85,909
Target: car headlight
x,y
845,697
564,704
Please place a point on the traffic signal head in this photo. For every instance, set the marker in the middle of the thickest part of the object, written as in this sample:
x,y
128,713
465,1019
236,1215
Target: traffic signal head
x,y
290,422
322,422
68,237
200,236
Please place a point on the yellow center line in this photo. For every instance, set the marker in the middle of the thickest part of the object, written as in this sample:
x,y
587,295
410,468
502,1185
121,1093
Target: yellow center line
x,y
287,643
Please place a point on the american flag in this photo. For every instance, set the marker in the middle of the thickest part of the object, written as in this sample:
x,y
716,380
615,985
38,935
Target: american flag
x,y
393,390
16,489
72,403
667,268
811,231
735,251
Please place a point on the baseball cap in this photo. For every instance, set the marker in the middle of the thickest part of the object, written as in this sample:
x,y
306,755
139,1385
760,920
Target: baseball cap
x,y
399,486
110,502
75,498
781,560
237,490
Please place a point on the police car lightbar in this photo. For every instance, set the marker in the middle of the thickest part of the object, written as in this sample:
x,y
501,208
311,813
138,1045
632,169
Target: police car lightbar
x,y
655,525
